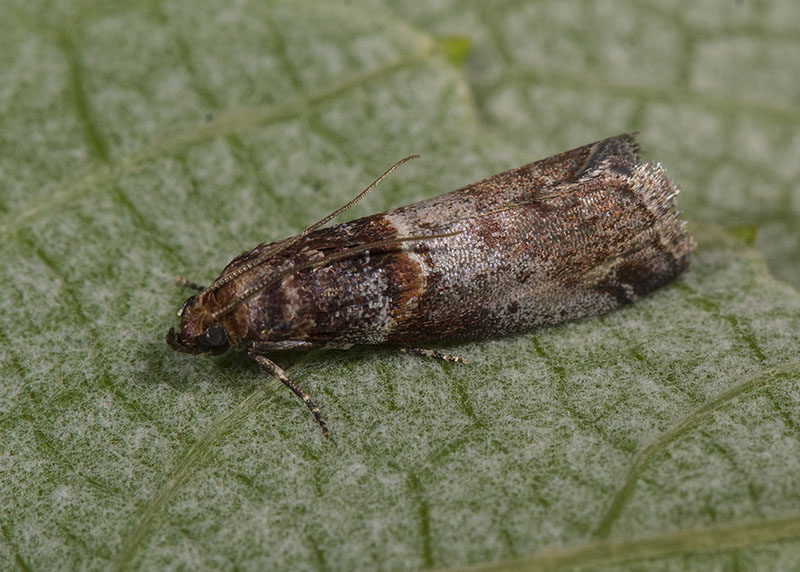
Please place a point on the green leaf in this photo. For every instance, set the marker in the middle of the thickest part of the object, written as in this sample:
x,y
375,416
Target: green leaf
x,y
143,141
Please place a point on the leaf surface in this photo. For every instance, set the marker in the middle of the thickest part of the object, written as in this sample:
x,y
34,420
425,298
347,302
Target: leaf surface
x,y
141,141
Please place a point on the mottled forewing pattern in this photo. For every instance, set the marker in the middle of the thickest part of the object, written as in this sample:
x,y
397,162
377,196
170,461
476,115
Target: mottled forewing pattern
x,y
570,236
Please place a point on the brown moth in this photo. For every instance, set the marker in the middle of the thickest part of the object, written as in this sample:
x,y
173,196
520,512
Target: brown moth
x,y
570,236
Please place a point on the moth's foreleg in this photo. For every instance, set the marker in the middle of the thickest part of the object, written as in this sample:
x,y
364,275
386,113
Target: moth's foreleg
x,y
433,354
274,369
189,284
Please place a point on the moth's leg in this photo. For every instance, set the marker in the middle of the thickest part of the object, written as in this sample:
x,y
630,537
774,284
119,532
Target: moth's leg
x,y
274,369
189,284
433,354
258,347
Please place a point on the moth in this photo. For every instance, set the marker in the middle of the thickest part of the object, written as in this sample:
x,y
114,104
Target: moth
x,y
570,236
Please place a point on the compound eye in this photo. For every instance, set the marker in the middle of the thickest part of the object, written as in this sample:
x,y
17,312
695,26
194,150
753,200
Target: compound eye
x,y
188,304
213,338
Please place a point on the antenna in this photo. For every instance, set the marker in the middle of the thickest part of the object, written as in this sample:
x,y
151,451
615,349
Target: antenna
x,y
280,247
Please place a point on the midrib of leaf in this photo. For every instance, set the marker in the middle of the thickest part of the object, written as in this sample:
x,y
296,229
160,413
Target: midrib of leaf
x,y
683,426
232,121
735,535
183,471
604,550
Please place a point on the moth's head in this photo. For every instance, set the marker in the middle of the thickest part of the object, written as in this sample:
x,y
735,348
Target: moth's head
x,y
198,333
